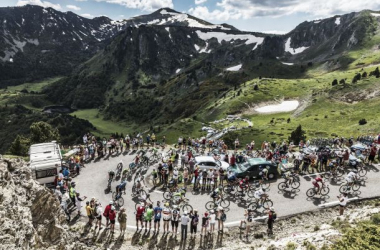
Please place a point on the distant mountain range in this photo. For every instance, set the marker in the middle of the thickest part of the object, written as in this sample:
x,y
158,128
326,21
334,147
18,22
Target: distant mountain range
x,y
164,59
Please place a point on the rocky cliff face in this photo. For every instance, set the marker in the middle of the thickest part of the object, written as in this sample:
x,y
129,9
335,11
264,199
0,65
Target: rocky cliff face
x,y
30,216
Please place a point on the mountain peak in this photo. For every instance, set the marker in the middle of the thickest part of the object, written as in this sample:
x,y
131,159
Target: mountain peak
x,y
165,11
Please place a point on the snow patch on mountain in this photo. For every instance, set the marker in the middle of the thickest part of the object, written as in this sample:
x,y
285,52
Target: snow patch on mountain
x,y
287,63
222,36
235,68
293,51
337,21
375,14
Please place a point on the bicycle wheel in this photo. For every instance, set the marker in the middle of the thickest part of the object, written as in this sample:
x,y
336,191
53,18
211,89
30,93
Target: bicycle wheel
x,y
310,192
120,202
343,189
295,184
355,187
167,195
282,186
267,204
362,172
325,190
210,205
187,207
225,203
228,189
253,206
250,193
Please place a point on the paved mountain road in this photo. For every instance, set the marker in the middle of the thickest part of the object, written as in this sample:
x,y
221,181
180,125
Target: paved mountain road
x,y
92,182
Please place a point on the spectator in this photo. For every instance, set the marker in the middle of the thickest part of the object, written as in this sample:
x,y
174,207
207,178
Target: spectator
x,y
222,218
139,216
372,154
194,222
112,217
271,218
184,222
89,211
166,216
212,221
160,172
175,219
343,199
205,223
98,215
58,193
148,216
122,218
107,212
248,221
78,203
185,176
157,216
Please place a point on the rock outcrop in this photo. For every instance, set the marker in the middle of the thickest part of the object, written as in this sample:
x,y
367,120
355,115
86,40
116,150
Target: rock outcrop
x,y
30,215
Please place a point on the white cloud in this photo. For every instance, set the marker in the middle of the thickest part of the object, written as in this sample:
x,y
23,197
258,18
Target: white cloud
x,y
87,15
277,32
73,7
200,1
147,5
44,4
246,9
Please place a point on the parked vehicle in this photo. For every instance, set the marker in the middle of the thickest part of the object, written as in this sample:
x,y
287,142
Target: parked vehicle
x,y
207,162
251,168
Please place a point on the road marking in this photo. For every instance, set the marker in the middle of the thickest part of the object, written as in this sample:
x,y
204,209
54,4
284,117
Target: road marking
x,y
335,202
160,192
313,174
238,222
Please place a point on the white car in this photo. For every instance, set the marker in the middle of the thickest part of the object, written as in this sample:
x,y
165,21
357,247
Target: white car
x,y
207,162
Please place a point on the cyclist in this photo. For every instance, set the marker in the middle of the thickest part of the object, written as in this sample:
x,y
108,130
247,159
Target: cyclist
x,y
154,151
231,177
120,188
260,196
288,178
154,176
141,179
243,184
125,173
178,196
111,175
316,184
215,195
263,173
352,177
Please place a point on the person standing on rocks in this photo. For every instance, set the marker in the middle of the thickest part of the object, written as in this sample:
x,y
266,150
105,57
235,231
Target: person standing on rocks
x,y
78,203
221,219
122,218
112,216
107,212
194,222
58,194
98,215
343,199
184,222
90,212
272,216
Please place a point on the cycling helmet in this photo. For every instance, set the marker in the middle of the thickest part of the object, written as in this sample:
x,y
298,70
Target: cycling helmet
x,y
268,167
166,204
175,207
271,209
112,208
111,202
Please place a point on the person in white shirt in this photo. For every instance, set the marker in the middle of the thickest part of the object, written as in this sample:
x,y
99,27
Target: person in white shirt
x,y
351,177
184,222
260,195
212,221
343,199
98,212
175,175
58,193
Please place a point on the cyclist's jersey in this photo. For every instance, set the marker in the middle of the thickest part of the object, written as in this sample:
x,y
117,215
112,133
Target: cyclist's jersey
x,y
351,177
111,174
122,185
154,150
215,193
287,175
243,183
316,180
258,194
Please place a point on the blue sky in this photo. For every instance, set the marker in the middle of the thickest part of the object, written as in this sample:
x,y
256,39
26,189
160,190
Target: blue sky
x,y
277,16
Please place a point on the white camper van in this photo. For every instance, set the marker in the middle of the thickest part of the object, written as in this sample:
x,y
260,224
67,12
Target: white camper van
x,y
43,160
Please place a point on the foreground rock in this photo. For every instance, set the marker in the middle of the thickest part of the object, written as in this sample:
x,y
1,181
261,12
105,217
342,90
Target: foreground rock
x,y
30,216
